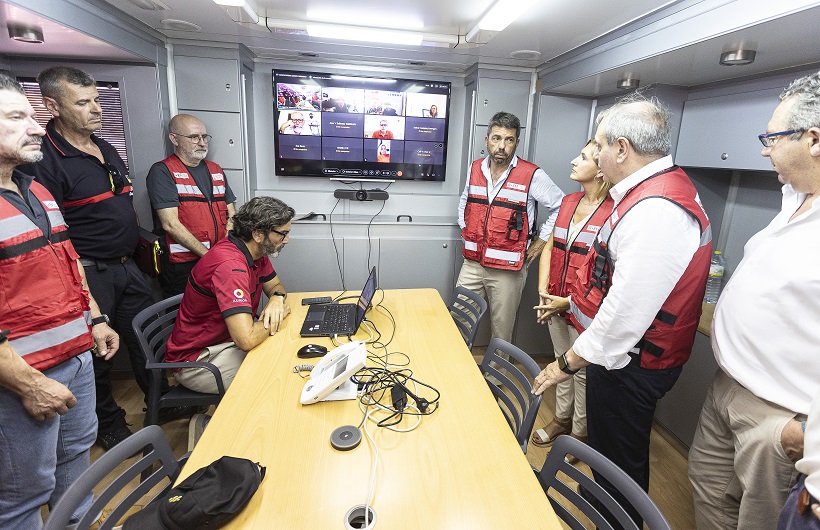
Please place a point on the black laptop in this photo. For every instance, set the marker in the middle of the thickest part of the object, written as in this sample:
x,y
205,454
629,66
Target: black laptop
x,y
326,320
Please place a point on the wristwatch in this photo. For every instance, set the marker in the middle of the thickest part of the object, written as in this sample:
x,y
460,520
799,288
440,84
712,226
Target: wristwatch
x,y
280,293
4,336
564,365
102,319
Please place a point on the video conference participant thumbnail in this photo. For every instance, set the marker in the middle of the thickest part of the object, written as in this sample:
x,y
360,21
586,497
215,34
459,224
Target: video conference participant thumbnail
x,y
426,153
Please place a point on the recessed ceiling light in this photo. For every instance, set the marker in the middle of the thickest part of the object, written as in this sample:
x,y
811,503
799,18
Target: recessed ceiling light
x,y
180,25
528,55
628,83
737,57
22,33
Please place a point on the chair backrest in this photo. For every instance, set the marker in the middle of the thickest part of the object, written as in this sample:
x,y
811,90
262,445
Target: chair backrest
x,y
467,310
153,326
515,398
150,439
635,495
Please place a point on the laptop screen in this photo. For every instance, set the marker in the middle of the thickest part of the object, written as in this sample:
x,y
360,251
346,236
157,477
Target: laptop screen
x,y
367,295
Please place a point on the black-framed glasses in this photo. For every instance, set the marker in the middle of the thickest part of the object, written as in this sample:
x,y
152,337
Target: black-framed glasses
x,y
769,139
284,234
196,138
118,182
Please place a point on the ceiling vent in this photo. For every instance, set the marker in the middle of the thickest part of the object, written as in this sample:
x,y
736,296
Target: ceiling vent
x,y
527,55
179,25
150,5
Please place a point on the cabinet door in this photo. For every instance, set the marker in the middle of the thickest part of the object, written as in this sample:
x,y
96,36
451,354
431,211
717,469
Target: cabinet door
x,y
207,84
226,145
309,264
412,263
502,94
722,131
236,180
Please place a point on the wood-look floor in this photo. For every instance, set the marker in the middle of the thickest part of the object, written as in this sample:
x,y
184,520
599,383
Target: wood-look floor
x,y
669,484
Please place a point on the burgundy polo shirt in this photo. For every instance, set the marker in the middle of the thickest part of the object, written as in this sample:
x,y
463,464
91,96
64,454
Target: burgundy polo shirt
x,y
224,282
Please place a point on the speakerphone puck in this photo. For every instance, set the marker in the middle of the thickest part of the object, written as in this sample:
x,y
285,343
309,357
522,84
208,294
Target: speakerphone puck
x,y
345,438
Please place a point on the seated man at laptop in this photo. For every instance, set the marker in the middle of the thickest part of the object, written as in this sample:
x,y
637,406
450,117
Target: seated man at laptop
x,y
216,321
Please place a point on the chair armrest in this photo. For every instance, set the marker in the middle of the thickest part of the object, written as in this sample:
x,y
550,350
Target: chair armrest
x,y
220,386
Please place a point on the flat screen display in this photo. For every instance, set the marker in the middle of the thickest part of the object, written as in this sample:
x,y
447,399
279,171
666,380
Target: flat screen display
x,y
345,126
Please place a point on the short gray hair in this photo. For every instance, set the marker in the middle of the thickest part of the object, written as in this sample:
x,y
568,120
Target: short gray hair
x,y
50,80
806,93
10,84
505,120
641,120
260,213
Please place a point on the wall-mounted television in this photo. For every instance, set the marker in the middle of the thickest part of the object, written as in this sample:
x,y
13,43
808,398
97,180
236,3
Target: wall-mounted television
x,y
343,126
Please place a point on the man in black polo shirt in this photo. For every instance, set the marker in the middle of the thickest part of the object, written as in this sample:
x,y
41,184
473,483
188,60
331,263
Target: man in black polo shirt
x,y
90,182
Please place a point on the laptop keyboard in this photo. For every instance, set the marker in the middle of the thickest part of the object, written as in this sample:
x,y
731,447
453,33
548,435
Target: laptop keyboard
x,y
336,317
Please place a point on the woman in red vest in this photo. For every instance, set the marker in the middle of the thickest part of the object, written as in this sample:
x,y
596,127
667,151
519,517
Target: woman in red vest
x,y
579,219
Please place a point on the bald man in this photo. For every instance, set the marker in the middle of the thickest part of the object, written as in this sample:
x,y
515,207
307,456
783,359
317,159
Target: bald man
x,y
192,201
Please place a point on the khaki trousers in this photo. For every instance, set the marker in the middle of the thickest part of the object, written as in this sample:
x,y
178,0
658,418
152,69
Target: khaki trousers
x,y
739,471
501,288
227,357
570,395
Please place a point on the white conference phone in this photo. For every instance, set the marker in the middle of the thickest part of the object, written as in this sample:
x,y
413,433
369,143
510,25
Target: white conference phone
x,y
333,370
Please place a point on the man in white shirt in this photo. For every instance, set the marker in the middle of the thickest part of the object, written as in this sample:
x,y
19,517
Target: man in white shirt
x,y
765,338
496,214
640,289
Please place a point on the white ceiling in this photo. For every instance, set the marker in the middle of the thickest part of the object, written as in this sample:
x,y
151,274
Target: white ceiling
x,y
551,28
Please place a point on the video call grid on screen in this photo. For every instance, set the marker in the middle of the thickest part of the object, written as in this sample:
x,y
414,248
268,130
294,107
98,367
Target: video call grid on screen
x,y
336,126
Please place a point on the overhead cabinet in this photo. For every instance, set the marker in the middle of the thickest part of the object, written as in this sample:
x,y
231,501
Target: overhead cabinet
x,y
721,131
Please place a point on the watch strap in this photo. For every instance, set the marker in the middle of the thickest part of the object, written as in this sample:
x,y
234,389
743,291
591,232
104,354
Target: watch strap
x,y
102,319
280,293
564,365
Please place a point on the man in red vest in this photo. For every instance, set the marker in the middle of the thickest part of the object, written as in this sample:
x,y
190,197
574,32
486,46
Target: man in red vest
x,y
640,290
49,325
496,214
192,201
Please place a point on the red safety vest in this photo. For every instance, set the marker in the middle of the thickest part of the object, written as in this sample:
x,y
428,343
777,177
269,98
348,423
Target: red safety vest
x,y
496,234
668,341
41,293
565,262
206,220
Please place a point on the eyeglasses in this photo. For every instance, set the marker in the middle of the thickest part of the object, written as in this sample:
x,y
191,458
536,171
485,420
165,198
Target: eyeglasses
x,y
296,120
118,182
196,138
284,234
769,139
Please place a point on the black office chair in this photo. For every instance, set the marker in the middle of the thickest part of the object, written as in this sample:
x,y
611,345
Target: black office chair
x,y
153,326
150,440
467,310
637,497
514,395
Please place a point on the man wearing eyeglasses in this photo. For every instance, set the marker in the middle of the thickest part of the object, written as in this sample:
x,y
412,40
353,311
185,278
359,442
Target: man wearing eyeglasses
x,y
90,182
382,133
295,125
216,321
192,201
765,338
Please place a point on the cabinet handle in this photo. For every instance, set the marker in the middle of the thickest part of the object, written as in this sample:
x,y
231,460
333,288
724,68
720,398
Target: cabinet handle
x,y
228,87
444,245
409,218
724,156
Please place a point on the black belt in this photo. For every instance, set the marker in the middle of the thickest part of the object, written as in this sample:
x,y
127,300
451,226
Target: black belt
x,y
110,261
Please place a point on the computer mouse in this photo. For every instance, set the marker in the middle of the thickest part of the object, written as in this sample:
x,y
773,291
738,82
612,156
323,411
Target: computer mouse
x,y
311,350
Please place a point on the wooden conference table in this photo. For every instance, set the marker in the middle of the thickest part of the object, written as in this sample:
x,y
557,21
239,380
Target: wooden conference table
x,y
460,468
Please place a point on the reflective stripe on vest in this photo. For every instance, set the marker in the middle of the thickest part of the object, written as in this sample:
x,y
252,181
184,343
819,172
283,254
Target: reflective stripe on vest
x,y
176,247
49,338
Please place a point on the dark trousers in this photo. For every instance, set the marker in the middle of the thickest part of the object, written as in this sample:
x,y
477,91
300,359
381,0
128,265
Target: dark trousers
x,y
791,518
620,407
121,292
174,276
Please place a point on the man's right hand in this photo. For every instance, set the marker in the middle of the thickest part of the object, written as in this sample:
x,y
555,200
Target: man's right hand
x,y
46,398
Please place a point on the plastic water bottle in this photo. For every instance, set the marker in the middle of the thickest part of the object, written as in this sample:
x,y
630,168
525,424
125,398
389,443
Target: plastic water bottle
x,y
716,270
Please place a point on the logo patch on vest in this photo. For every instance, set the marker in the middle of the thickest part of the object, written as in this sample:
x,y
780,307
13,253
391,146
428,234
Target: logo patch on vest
x,y
180,175
516,186
217,176
592,228
51,205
